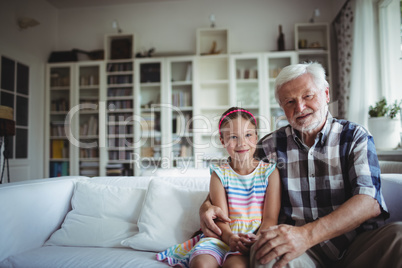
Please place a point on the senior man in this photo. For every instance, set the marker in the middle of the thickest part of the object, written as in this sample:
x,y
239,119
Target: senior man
x,y
332,211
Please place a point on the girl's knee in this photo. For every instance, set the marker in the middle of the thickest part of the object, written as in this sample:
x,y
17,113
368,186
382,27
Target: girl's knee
x,y
204,261
236,261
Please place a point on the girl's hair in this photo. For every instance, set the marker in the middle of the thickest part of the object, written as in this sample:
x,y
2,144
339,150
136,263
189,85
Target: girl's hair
x,y
291,72
234,113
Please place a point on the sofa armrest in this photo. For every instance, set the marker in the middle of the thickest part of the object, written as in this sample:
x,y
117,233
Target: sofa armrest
x,y
31,211
391,190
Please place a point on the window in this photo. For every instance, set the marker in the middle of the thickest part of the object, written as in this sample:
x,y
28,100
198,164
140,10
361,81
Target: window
x,y
14,93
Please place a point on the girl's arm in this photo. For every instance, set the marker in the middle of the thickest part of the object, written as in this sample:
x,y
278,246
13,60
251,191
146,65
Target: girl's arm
x,y
218,198
272,202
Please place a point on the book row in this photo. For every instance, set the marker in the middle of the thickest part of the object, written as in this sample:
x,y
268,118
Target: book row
x,y
119,92
181,99
60,105
120,67
119,79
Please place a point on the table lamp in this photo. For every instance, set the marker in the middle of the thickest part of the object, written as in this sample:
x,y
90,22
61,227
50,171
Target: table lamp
x,y
7,128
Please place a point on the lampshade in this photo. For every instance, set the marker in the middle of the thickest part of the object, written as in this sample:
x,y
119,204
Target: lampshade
x,y
7,123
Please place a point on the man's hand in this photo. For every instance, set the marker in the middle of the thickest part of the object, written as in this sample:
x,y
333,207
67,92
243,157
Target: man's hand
x,y
284,241
209,213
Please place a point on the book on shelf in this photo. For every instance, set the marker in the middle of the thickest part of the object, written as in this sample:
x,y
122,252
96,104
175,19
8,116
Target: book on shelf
x,y
58,149
58,169
120,104
57,129
120,67
89,172
114,169
89,153
89,128
181,124
119,92
60,105
189,72
181,98
89,168
148,121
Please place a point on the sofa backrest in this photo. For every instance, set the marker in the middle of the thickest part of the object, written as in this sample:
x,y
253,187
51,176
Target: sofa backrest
x,y
31,211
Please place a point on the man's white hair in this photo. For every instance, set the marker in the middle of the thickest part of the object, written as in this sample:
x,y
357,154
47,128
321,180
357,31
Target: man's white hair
x,y
294,71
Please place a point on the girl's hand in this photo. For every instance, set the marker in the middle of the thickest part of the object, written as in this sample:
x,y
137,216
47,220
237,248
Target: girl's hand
x,y
245,242
242,242
234,241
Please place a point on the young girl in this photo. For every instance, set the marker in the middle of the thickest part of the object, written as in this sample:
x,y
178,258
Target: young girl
x,y
248,191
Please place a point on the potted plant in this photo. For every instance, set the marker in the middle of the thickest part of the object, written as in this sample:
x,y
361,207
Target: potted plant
x,y
385,124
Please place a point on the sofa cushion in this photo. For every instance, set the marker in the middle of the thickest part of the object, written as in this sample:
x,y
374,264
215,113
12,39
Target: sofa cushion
x,y
169,216
82,257
101,216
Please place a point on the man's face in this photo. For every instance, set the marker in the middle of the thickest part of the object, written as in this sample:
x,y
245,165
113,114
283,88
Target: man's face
x,y
304,104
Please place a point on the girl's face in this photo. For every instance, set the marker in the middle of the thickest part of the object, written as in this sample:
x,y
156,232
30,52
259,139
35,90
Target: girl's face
x,y
239,137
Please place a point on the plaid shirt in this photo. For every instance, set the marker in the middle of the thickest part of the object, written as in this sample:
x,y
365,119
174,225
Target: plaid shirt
x,y
317,180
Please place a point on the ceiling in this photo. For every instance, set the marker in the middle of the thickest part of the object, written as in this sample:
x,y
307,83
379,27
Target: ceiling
x,y
95,3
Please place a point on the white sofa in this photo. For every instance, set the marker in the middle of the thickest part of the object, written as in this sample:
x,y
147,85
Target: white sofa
x,y
30,212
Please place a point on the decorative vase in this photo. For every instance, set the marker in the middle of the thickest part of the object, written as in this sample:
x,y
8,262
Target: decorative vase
x,y
385,131
281,40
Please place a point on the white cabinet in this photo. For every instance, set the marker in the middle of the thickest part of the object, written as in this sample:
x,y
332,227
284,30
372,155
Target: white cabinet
x,y
164,109
75,136
146,113
59,95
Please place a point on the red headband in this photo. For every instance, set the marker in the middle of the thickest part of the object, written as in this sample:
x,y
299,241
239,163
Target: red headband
x,y
238,110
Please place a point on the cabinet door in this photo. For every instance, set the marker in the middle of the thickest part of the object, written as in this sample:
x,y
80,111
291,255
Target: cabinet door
x,y
151,123
247,87
180,111
59,97
213,97
87,128
273,64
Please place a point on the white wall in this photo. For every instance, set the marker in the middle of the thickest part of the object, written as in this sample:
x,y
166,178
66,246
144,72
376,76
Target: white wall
x,y
171,26
30,47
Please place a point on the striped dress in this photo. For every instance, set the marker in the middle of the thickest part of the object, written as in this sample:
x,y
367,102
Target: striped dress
x,y
245,195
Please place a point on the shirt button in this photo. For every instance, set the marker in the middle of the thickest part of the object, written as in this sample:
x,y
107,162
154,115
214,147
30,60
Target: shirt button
x,y
315,198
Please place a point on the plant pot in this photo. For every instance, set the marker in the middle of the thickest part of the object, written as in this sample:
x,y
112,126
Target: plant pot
x,y
385,131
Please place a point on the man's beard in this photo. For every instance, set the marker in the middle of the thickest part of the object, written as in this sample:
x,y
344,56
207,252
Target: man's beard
x,y
318,118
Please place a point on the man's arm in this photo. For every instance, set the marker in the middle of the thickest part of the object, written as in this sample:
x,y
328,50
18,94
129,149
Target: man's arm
x,y
208,213
290,242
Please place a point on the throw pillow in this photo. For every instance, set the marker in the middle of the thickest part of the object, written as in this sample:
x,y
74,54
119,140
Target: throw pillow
x,y
101,216
169,216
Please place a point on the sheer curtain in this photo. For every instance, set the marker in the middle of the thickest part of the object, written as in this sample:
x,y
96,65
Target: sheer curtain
x,y
389,18
365,80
